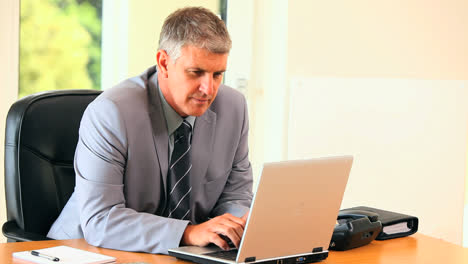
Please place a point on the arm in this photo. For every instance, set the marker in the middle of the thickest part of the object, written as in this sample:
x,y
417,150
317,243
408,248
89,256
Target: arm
x,y
237,194
100,162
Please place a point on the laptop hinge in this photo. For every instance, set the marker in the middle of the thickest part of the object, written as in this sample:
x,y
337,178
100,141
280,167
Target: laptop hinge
x,y
250,259
317,250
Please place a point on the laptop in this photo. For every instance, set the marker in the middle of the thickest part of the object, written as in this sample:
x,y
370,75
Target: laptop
x,y
292,216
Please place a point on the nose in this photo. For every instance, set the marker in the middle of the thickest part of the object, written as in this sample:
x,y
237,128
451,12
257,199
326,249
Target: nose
x,y
206,85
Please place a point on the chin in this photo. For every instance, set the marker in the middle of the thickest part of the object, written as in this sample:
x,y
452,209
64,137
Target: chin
x,y
197,112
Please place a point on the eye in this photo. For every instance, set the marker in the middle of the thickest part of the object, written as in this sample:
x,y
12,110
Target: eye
x,y
217,75
195,73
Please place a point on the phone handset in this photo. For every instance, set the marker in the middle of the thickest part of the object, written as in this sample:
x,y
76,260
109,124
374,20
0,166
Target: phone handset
x,y
355,228
357,214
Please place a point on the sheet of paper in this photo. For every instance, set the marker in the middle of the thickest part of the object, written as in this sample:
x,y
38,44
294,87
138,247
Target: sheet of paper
x,y
67,255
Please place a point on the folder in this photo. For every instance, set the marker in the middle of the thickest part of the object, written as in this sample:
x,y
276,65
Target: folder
x,y
393,224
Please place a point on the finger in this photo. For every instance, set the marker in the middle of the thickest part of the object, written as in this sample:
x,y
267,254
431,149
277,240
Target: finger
x,y
231,234
237,228
223,226
218,241
234,237
245,216
232,218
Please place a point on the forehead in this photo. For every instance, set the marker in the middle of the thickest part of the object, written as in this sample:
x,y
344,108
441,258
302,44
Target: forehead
x,y
193,57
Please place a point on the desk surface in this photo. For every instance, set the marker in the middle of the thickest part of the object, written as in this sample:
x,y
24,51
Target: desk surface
x,y
414,249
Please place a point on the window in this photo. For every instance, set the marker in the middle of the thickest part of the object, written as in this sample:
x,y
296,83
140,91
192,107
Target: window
x,y
60,45
90,44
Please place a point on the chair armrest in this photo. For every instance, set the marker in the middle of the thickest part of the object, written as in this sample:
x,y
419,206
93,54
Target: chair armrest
x,y
11,230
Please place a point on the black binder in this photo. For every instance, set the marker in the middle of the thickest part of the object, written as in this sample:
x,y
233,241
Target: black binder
x,y
393,224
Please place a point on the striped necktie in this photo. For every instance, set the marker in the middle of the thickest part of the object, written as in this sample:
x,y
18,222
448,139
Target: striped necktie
x,y
178,179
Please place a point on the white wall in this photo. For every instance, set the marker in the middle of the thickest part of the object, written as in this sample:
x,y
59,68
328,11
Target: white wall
x,y
114,47
408,138
257,66
383,80
9,32
387,82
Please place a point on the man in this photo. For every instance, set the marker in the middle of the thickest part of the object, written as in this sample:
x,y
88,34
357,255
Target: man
x,y
162,158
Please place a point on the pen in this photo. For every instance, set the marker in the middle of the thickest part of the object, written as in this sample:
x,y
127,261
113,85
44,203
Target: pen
x,y
42,255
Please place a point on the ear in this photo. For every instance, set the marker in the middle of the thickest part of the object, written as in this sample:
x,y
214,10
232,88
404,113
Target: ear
x,y
162,59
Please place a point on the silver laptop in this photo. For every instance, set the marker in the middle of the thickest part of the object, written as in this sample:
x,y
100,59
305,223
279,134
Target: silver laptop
x,y
292,216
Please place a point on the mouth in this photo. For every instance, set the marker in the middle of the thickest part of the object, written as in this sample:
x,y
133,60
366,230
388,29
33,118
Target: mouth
x,y
201,100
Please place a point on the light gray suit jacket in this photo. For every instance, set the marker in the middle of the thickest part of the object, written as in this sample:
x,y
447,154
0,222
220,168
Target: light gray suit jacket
x,y
121,163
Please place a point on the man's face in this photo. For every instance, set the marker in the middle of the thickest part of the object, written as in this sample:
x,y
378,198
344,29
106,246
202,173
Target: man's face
x,y
190,84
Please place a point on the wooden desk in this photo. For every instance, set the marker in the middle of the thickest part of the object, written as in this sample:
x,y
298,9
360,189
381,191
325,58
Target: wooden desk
x,y
414,249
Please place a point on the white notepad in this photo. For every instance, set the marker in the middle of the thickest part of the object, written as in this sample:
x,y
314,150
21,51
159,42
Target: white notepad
x,y
67,255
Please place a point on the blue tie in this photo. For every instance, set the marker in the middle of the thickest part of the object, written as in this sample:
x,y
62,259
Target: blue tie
x,y
178,180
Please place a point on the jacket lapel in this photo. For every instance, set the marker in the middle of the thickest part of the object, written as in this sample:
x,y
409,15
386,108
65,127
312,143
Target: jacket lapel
x,y
158,122
202,146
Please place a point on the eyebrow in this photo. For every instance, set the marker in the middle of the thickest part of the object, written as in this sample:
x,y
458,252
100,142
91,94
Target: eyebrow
x,y
203,70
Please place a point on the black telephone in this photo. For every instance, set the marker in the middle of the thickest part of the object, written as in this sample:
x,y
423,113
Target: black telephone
x,y
355,228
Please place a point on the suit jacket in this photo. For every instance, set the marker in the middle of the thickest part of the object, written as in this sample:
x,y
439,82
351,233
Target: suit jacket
x,y
121,164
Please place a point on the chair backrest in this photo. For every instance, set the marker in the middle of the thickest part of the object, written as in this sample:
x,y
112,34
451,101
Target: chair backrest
x,y
40,141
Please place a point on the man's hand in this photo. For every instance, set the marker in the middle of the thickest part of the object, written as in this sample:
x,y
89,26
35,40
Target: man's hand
x,y
209,232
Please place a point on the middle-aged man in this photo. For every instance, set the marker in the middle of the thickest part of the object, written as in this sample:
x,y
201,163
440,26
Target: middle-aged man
x,y
162,158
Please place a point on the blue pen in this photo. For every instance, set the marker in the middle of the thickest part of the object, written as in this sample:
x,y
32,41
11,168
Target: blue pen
x,y
42,255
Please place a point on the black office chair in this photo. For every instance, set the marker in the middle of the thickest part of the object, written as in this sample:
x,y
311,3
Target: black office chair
x,y
40,141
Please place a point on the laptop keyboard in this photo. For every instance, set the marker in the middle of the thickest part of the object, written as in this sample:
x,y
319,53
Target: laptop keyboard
x,y
230,254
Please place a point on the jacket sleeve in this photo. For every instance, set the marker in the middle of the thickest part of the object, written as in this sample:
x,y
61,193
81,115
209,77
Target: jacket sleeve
x,y
100,162
237,193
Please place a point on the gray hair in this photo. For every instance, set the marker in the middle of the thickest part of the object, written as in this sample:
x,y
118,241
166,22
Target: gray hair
x,y
196,26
